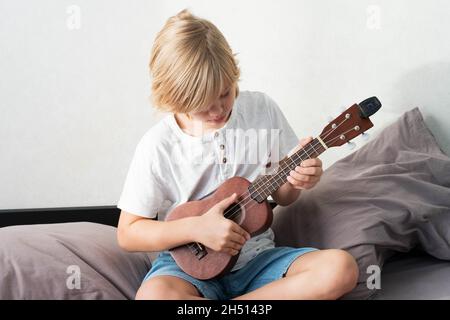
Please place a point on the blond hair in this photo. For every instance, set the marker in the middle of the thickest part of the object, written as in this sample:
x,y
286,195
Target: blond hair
x,y
191,63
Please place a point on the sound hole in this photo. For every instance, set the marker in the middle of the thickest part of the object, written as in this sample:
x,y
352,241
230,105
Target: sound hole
x,y
235,212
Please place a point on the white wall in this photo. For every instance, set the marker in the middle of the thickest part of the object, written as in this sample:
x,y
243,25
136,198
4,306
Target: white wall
x,y
74,102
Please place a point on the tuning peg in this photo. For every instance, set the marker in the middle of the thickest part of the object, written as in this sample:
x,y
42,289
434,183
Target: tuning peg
x,y
351,145
365,136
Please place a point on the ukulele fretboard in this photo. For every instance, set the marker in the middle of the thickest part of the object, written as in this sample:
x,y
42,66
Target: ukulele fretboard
x,y
265,185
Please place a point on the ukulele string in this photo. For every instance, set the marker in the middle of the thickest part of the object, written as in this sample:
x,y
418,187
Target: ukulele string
x,y
240,203
237,205
317,143
234,210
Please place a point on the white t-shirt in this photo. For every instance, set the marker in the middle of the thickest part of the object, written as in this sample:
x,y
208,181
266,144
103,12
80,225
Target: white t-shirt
x,y
171,167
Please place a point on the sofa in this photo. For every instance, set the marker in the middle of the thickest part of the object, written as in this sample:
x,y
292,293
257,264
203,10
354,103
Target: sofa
x,y
387,204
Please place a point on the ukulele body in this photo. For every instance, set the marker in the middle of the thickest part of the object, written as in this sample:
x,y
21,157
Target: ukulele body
x,y
252,216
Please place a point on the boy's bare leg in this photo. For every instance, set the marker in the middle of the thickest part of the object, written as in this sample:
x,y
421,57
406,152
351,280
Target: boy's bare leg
x,y
324,274
168,288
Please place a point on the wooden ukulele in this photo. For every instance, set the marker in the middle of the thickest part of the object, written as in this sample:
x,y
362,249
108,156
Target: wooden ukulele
x,y
251,209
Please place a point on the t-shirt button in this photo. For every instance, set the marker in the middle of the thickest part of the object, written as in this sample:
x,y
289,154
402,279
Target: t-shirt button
x,y
224,160
216,134
222,146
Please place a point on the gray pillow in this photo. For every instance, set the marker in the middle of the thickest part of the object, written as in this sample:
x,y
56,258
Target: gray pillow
x,y
67,261
391,195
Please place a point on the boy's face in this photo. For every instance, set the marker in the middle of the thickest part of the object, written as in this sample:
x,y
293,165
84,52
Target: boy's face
x,y
217,114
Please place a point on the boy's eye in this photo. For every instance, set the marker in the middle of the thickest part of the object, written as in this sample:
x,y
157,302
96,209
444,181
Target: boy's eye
x,y
225,94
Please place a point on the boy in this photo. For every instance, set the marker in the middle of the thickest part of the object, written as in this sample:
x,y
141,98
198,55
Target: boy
x,y
188,154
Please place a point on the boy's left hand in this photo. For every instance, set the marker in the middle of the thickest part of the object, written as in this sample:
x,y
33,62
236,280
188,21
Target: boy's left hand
x,y
308,174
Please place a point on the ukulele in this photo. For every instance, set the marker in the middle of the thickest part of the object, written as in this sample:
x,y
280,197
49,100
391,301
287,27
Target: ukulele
x,y
251,209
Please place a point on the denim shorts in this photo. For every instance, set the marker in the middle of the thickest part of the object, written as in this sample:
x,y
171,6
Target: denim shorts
x,y
270,265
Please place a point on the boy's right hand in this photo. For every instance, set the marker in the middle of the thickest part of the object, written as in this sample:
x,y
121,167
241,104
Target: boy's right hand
x,y
219,233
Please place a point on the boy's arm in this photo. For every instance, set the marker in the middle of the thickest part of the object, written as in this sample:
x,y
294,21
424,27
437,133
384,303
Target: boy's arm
x,y
135,233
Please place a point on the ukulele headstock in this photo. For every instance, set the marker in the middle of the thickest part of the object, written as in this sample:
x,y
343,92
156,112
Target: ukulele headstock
x,y
351,123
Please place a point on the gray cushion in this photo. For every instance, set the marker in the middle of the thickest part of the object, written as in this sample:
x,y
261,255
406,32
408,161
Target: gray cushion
x,y
44,261
391,195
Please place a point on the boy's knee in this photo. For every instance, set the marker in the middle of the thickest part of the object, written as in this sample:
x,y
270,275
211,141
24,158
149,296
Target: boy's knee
x,y
156,289
341,272
349,271
160,288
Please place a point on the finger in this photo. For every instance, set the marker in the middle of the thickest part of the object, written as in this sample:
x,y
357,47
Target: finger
x,y
300,177
301,184
318,162
239,230
314,162
295,183
233,245
231,251
311,171
225,203
237,238
305,141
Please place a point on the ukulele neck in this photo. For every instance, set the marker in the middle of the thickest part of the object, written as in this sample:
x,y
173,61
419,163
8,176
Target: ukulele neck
x,y
265,185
